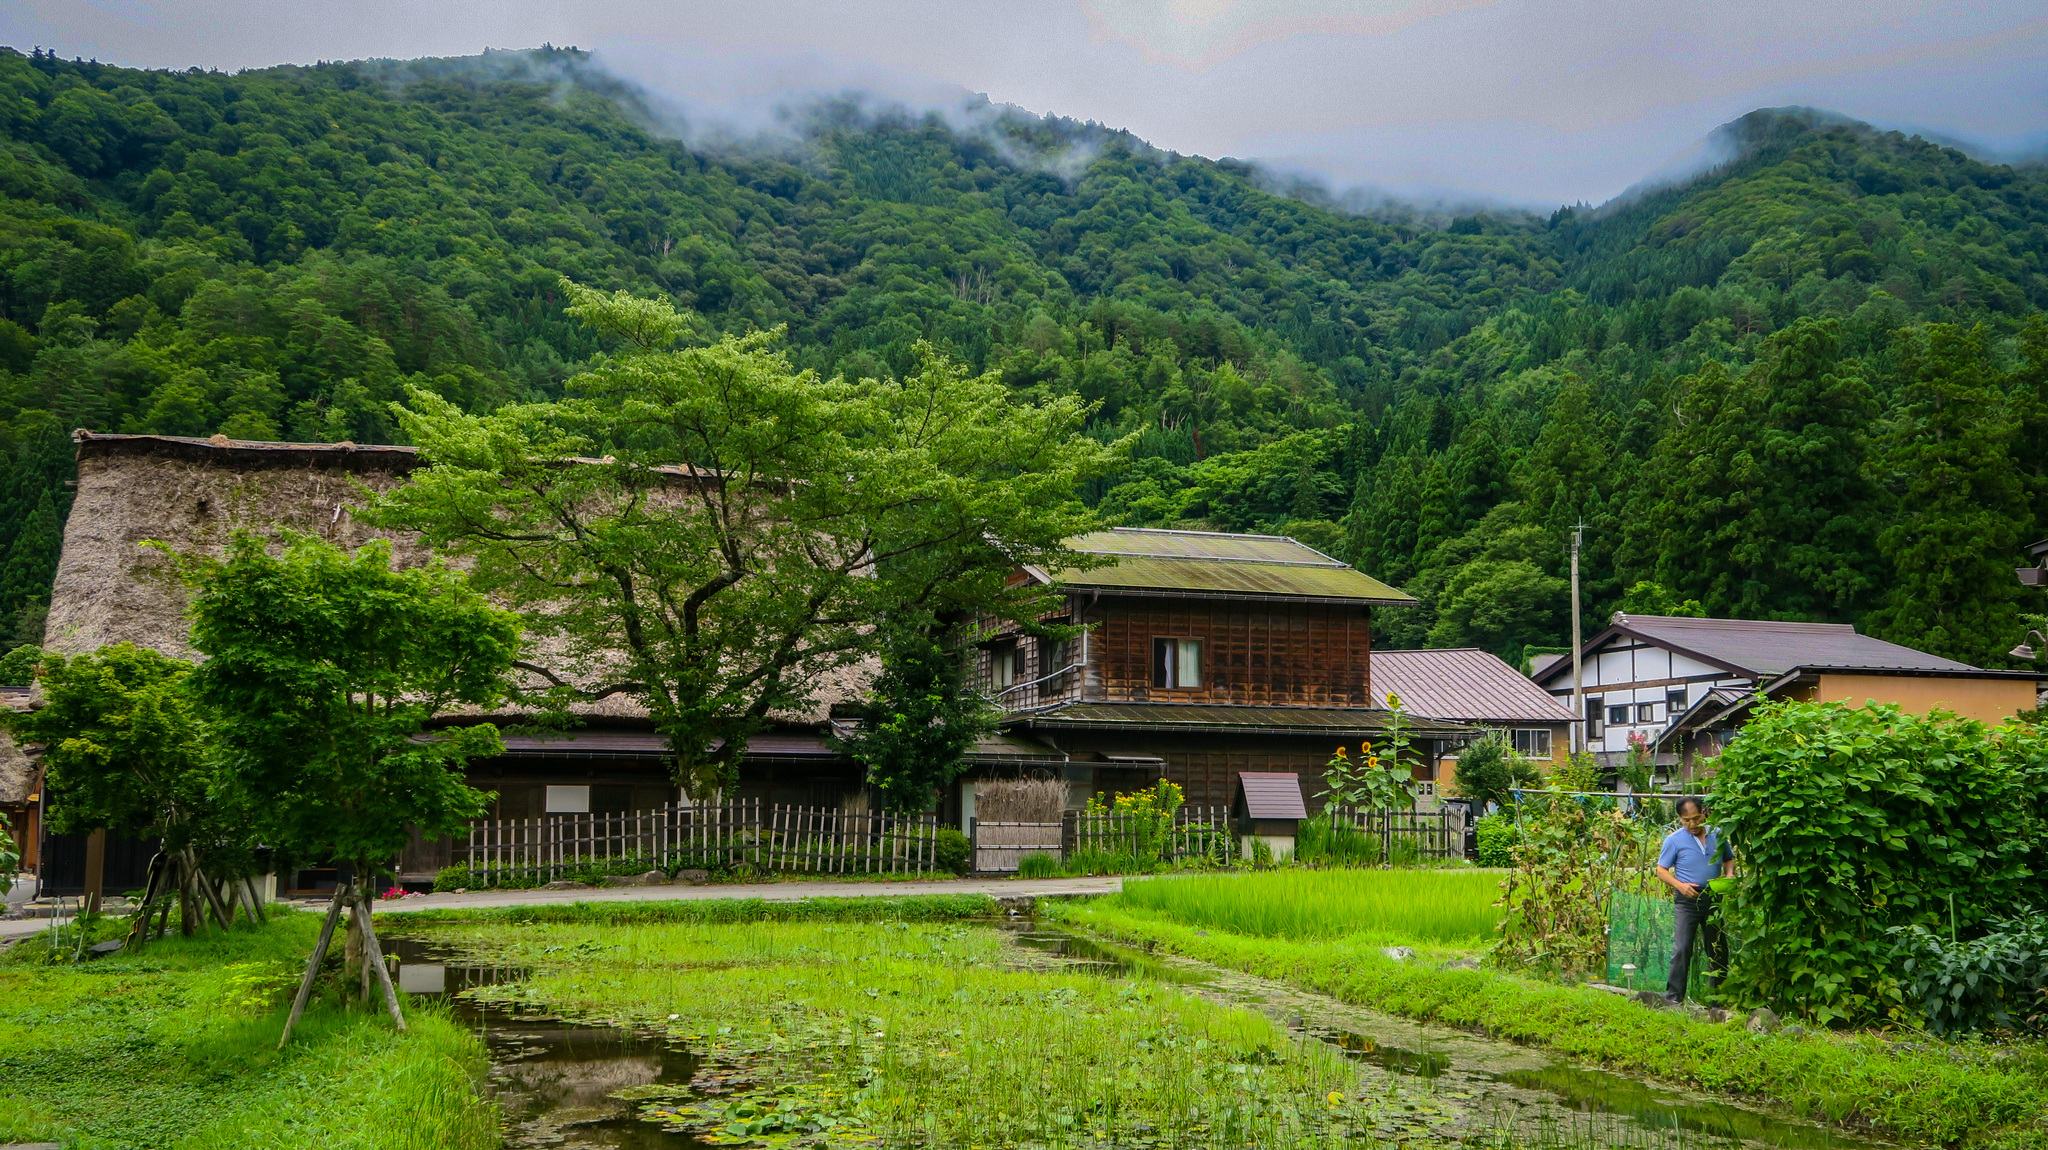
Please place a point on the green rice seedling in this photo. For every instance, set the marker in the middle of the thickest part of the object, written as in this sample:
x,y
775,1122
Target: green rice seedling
x,y
1324,841
1038,864
1433,906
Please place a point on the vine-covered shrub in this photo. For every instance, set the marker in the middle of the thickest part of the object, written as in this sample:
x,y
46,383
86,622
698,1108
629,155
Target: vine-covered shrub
x,y
1851,821
1999,980
1572,855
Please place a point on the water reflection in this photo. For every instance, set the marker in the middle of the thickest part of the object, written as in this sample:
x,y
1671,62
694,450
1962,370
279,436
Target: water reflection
x,y
554,1079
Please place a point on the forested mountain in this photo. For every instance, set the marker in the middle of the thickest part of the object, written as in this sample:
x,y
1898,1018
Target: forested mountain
x,y
1811,383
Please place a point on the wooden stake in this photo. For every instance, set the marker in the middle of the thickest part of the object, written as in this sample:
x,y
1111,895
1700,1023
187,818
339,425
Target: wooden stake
x,y
373,955
138,932
313,963
247,889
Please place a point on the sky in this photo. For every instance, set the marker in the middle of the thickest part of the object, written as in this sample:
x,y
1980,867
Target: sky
x,y
1525,102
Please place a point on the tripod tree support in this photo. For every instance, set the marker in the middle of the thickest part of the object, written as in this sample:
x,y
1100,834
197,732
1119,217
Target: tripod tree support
x,y
341,895
373,954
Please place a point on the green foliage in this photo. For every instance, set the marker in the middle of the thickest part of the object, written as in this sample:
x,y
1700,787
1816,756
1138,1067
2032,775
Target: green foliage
x,y
1999,980
911,908
1437,906
323,670
954,851
1757,388
1038,864
177,1047
1850,821
1488,771
1651,598
18,667
1497,837
10,856
836,503
1142,831
918,721
125,748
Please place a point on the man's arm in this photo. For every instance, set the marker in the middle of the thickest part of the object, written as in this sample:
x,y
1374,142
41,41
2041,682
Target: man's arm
x,y
1671,880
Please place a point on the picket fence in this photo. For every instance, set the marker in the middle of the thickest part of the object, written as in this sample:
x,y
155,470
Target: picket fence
x,y
769,837
1438,834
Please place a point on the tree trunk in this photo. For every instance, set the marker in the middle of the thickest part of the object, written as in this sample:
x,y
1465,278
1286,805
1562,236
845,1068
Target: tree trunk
x,y
352,968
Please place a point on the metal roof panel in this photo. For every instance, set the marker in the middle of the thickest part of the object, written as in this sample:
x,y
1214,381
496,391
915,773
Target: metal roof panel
x,y
1271,795
1463,684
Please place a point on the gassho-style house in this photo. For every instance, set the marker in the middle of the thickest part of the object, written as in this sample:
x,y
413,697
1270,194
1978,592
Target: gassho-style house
x,y
1205,656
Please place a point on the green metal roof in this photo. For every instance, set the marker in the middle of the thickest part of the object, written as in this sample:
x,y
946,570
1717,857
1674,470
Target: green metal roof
x,y
1228,717
1156,561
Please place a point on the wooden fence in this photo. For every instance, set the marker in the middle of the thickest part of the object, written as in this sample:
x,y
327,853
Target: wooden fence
x,y
805,840
1438,834
1195,832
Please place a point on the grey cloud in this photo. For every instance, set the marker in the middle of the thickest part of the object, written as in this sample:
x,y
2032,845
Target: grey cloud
x,y
1534,102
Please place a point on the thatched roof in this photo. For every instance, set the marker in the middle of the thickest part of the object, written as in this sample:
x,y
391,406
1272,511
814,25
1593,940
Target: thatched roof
x,y
193,494
17,770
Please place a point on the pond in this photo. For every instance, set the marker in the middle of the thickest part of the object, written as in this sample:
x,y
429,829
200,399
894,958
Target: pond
x,y
559,1081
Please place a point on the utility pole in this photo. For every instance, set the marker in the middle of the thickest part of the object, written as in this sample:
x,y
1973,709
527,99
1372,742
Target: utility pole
x,y
1579,732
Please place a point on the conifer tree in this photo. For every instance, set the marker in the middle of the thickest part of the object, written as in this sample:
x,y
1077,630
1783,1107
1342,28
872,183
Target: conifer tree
x,y
1957,501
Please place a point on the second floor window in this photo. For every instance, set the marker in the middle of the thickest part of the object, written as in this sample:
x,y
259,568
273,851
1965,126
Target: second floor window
x,y
1006,664
1176,663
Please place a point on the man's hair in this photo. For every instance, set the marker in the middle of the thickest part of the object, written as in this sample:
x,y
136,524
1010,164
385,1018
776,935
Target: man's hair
x,y
1689,801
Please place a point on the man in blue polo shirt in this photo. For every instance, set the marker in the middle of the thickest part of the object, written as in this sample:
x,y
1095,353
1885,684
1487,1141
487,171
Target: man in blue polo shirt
x,y
1693,855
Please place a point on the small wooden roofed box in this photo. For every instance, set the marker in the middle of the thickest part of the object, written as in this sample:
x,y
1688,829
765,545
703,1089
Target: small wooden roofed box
x,y
1268,806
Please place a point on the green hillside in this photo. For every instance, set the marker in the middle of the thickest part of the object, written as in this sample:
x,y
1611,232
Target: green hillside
x,y
1807,384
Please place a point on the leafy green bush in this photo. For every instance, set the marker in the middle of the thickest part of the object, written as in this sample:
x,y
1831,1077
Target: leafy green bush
x,y
1497,836
1998,980
1851,821
954,852
1038,864
1489,769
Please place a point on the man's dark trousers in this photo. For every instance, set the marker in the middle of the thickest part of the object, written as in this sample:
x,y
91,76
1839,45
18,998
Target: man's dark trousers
x,y
1695,914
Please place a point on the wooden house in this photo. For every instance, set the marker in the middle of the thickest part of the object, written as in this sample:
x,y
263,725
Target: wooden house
x,y
1474,688
1683,686
1202,656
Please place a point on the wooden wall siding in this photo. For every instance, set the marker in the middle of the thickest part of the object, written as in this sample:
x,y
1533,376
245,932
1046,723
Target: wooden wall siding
x,y
1206,767
1253,654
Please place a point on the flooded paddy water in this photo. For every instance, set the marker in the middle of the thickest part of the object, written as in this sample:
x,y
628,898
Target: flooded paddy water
x,y
571,1085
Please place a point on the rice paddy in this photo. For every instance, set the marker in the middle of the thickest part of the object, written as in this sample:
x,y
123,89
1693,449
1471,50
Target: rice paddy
x,y
1443,907
929,1034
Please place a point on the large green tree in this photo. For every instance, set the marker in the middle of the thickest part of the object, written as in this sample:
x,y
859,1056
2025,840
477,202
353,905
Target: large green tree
x,y
324,672
717,533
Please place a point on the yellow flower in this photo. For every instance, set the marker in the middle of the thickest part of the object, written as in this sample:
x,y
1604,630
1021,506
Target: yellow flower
x,y
1335,1098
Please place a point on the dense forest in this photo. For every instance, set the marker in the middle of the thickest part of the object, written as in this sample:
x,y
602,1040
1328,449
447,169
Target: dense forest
x,y
1811,383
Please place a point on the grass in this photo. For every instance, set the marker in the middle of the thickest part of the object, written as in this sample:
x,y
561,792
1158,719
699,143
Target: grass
x,y
913,908
925,1032
1965,1094
1435,906
176,1048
